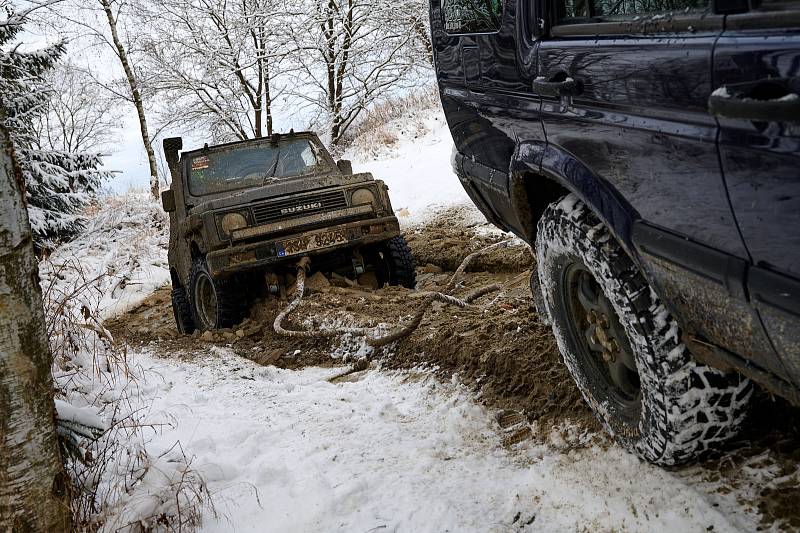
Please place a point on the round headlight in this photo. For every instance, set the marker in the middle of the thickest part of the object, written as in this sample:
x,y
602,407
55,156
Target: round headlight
x,y
233,221
364,197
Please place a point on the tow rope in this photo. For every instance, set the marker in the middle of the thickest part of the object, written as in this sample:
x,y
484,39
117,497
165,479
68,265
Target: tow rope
x,y
398,332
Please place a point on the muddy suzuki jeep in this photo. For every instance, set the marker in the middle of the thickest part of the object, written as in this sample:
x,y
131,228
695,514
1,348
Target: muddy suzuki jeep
x,y
243,214
649,153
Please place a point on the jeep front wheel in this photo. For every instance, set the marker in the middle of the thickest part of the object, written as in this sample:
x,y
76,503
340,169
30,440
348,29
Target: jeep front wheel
x,y
216,303
400,263
182,311
623,348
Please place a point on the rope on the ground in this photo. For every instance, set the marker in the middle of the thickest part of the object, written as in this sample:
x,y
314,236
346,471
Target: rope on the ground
x,y
399,332
502,289
298,297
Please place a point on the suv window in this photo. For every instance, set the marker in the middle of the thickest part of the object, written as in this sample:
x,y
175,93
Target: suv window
x,y
250,166
570,10
472,16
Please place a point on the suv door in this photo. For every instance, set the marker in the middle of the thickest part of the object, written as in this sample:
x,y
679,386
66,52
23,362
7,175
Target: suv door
x,y
625,87
485,57
757,72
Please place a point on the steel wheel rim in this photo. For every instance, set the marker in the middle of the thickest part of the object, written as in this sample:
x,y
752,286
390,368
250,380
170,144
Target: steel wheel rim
x,y
205,297
601,341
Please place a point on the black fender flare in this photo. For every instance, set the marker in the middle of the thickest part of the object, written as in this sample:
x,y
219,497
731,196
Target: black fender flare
x,y
563,174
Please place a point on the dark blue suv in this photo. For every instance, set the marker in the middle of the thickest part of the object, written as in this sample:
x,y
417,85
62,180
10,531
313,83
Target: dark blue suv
x,y
649,151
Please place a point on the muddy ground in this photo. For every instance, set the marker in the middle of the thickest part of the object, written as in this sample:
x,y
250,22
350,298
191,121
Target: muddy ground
x,y
502,350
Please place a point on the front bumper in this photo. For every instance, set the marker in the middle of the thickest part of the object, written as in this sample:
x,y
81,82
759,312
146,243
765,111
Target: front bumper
x,y
267,253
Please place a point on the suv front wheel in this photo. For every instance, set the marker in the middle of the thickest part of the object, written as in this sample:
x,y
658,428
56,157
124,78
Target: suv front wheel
x,y
623,347
216,303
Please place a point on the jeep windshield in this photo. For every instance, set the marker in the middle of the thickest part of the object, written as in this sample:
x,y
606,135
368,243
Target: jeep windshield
x,y
243,167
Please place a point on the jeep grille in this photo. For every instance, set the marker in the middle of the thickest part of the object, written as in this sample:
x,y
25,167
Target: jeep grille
x,y
288,208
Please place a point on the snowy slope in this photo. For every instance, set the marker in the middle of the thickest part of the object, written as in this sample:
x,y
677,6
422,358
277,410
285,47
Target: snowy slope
x,y
122,251
417,169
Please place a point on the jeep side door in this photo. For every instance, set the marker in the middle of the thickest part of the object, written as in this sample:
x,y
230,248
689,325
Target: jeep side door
x,y
757,74
625,87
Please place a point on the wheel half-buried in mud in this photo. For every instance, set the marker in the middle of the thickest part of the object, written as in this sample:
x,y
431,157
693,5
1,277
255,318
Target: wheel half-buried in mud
x,y
400,263
215,303
182,311
623,348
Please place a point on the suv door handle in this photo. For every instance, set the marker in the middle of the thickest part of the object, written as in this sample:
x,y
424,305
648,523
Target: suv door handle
x,y
767,102
566,86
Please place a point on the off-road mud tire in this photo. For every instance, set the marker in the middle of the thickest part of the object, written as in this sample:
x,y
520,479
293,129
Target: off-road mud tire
x,y
182,310
538,298
231,303
400,260
686,408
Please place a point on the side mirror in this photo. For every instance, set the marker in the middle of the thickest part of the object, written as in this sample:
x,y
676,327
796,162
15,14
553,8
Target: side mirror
x,y
345,167
168,201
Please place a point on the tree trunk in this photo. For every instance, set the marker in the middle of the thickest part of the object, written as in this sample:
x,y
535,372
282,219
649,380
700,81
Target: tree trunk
x,y
424,37
268,97
33,483
136,95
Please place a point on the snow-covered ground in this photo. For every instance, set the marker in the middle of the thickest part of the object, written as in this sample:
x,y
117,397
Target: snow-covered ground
x,y
122,253
289,451
417,169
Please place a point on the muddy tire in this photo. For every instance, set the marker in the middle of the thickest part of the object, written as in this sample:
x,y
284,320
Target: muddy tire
x,y
216,303
182,310
400,262
623,347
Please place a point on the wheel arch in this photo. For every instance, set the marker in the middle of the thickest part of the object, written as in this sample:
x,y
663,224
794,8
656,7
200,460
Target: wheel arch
x,y
531,193
542,175
196,251
181,262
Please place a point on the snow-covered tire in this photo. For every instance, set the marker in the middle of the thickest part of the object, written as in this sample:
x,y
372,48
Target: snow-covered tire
x,y
182,310
538,299
400,261
216,303
681,408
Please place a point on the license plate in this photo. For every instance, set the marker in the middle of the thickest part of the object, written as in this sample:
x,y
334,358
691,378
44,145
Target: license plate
x,y
307,243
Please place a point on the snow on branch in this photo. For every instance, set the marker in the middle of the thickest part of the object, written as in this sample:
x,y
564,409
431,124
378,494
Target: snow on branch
x,y
122,481
60,184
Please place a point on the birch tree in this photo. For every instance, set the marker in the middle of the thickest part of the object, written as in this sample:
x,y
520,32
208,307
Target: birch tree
x,y
109,24
113,10
33,484
350,53
213,63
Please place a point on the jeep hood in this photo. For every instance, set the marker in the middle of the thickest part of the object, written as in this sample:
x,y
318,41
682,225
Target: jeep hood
x,y
275,189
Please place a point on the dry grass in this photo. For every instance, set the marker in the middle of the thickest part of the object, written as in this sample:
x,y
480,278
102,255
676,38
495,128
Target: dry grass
x,y
379,126
117,483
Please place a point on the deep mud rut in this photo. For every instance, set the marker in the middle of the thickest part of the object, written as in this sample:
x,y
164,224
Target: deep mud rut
x,y
504,351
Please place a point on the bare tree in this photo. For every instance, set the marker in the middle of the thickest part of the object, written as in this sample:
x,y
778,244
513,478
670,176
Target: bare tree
x,y
80,116
350,53
412,16
113,9
215,62
108,23
33,484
